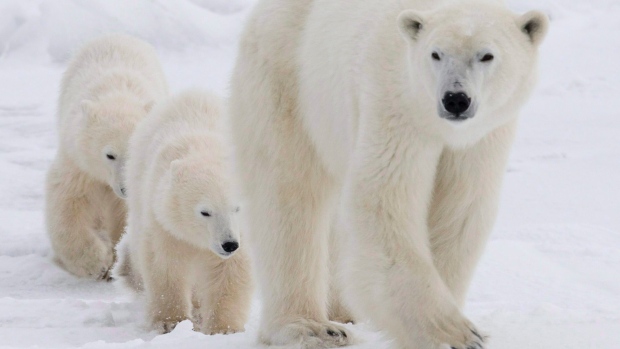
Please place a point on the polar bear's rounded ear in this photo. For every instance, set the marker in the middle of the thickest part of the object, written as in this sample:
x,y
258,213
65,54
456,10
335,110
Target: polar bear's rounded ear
x,y
535,25
177,172
410,23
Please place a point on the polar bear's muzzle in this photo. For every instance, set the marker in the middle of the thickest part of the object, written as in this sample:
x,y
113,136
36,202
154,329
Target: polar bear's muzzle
x,y
118,181
226,249
226,240
456,106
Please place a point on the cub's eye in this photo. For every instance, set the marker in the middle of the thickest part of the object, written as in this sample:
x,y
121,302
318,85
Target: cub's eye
x,y
487,58
205,213
110,156
435,56
237,209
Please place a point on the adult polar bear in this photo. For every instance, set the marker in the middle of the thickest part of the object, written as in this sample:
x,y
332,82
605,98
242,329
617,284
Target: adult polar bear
x,y
398,115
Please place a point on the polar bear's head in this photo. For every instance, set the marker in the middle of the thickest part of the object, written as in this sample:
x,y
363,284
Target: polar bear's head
x,y
107,125
196,203
475,60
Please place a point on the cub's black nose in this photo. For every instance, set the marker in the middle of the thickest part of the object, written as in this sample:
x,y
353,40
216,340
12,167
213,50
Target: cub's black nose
x,y
456,103
230,246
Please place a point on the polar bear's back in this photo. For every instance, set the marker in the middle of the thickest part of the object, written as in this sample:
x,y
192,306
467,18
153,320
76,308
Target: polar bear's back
x,y
117,52
190,111
171,123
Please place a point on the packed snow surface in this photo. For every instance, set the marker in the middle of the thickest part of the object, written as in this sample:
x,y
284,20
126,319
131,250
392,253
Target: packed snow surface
x,y
550,277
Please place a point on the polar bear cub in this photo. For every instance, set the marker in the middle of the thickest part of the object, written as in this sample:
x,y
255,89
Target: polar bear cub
x,y
182,246
110,85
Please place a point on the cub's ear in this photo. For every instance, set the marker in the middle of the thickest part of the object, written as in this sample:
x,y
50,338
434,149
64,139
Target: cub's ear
x,y
410,23
176,171
180,171
535,25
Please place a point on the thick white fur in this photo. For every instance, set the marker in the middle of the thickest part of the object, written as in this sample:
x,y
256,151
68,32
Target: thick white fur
x,y
179,167
336,112
110,85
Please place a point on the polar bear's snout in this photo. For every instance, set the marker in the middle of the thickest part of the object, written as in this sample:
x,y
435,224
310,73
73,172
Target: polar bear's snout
x,y
225,240
456,106
230,246
227,248
459,88
118,177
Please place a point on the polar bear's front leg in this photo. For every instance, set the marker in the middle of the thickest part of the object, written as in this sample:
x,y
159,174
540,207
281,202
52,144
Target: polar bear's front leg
x,y
290,225
71,218
166,280
223,292
465,205
338,310
392,277
114,217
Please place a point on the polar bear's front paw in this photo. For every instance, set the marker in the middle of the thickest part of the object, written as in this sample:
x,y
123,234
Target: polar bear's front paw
x,y
94,261
163,323
105,274
473,342
165,326
309,334
98,263
458,333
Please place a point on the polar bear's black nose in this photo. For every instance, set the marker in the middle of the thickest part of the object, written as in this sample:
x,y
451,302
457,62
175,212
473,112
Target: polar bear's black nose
x,y
456,103
230,246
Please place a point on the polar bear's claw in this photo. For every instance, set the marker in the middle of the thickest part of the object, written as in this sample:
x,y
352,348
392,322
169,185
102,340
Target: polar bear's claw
x,y
306,334
474,341
105,275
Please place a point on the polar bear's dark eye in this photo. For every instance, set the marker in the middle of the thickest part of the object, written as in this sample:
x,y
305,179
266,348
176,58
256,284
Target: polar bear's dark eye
x,y
487,58
205,213
110,156
435,56
237,209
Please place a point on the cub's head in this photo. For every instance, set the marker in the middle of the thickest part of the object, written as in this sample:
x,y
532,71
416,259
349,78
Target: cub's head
x,y
473,61
107,125
196,204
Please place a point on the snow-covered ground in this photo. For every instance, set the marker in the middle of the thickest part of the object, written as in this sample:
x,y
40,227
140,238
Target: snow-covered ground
x,y
550,277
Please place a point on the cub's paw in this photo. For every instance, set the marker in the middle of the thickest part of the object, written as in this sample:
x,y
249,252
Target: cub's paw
x,y
164,319
94,261
105,275
164,326
306,334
